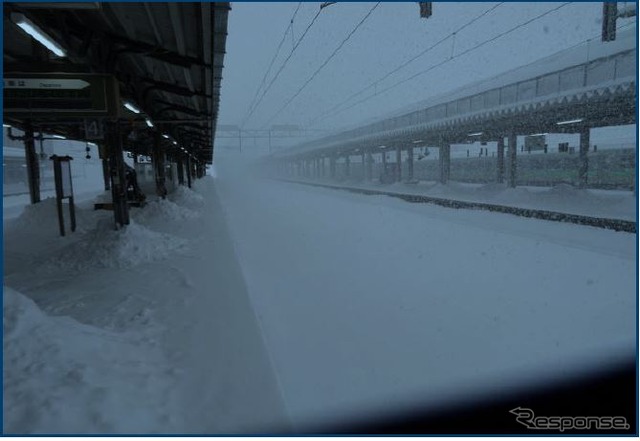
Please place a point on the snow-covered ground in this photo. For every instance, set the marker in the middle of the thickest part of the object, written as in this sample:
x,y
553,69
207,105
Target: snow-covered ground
x,y
144,330
254,305
369,302
564,198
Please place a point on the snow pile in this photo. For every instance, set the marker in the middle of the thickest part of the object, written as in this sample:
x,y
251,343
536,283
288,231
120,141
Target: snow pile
x,y
163,210
40,218
107,248
186,197
61,376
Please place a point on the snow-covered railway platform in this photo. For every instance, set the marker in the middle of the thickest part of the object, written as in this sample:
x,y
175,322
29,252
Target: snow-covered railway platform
x,y
256,305
148,329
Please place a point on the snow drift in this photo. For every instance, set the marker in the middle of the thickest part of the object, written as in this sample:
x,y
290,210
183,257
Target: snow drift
x,y
61,376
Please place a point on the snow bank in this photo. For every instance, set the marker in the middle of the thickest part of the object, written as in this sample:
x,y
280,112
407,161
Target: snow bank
x,y
163,210
107,248
563,198
61,376
186,197
39,218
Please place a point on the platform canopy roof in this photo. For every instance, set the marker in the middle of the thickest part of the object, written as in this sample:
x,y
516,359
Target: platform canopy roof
x,y
167,59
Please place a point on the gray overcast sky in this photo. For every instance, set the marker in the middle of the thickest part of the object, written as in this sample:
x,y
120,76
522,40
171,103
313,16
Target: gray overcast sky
x,y
392,34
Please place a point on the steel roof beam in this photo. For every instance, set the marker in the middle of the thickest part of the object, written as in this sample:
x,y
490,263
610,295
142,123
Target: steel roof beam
x,y
156,52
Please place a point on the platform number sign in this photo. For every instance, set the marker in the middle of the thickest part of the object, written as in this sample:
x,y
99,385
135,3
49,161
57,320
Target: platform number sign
x,y
93,129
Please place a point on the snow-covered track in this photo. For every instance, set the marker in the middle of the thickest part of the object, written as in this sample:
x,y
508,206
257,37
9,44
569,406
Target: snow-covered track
x,y
599,222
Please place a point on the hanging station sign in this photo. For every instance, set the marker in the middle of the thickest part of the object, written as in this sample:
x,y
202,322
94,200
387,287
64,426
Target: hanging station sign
x,y
47,95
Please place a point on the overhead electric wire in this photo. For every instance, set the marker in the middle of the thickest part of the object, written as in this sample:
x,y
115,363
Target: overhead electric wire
x,y
406,63
454,57
315,17
273,59
342,43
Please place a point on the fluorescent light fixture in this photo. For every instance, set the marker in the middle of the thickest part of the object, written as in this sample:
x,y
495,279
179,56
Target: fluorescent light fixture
x,y
418,141
175,143
539,134
59,137
357,150
382,146
38,34
165,136
475,134
131,107
6,126
149,123
571,121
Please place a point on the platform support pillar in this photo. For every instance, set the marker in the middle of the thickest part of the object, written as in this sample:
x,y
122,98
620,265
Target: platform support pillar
x,y
180,167
500,161
369,174
117,174
33,164
332,166
384,162
513,159
157,158
410,164
445,163
398,164
188,164
583,169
